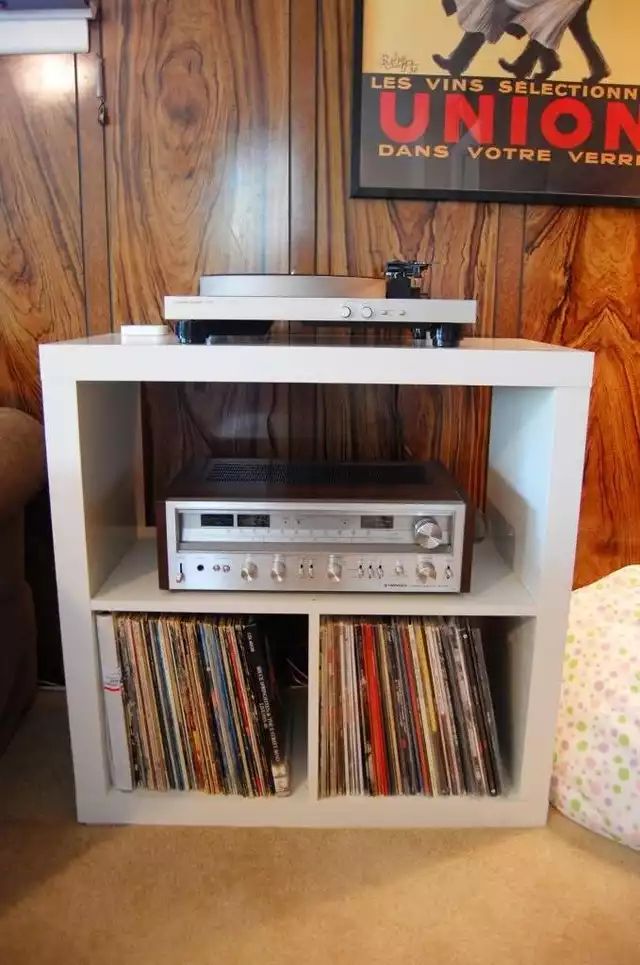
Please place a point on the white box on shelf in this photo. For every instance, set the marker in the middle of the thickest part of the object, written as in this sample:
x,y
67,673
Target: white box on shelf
x,y
105,561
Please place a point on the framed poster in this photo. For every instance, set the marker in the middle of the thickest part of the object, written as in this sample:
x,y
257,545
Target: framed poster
x,y
502,100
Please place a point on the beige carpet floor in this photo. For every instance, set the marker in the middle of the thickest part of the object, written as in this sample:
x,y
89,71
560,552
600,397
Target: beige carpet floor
x,y
72,894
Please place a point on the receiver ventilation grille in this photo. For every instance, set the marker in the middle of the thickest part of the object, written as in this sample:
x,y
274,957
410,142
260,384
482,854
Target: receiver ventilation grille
x,y
309,473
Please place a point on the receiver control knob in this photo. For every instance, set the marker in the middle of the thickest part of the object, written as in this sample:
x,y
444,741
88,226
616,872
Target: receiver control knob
x,y
334,569
426,571
428,533
249,571
278,569
345,311
366,311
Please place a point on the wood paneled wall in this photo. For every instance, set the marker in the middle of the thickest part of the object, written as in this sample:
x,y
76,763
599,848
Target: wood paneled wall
x,y
198,144
41,265
579,287
228,150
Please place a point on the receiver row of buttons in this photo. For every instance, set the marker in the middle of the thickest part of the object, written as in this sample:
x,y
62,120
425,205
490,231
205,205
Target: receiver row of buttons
x,y
306,569
425,570
371,571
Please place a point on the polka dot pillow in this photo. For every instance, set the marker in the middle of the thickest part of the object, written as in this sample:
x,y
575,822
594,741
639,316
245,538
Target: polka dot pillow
x,y
596,779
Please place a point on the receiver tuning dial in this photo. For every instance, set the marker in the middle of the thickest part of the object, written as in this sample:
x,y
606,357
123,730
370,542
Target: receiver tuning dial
x,y
249,571
428,533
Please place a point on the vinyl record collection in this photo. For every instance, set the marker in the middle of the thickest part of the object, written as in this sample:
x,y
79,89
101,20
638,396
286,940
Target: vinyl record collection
x,y
405,708
202,705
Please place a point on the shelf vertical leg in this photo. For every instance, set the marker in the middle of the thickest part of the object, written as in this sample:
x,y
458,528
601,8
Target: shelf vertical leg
x,y
536,463
569,433
81,666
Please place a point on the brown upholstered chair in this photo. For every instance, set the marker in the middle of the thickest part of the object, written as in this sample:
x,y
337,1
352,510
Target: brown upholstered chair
x,y
22,468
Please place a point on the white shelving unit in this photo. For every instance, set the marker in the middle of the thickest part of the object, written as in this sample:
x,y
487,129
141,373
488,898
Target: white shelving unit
x,y
105,559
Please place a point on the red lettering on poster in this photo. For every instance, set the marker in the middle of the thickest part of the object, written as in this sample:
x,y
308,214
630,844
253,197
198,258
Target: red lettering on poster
x,y
459,111
417,127
461,117
519,120
620,121
567,107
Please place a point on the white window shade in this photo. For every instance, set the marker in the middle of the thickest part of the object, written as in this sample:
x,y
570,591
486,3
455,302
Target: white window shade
x,y
44,26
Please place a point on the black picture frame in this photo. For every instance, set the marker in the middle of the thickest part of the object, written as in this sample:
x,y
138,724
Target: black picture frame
x,y
360,190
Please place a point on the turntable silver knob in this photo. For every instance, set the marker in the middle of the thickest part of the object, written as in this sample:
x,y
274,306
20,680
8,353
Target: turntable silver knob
x,y
278,569
334,569
425,570
249,571
427,533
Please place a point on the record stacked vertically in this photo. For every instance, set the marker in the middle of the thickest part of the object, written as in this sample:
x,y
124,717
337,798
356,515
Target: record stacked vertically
x,y
405,708
202,705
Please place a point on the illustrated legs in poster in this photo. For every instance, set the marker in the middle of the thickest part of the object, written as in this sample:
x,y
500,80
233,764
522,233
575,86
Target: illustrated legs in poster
x,y
581,31
545,23
483,21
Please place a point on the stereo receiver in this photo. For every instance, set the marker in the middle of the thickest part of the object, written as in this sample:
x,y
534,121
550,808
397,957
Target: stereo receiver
x,y
227,524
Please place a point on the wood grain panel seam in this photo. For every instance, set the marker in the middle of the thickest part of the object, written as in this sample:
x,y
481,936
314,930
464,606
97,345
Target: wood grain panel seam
x,y
107,225
108,236
80,199
303,204
92,185
521,285
106,178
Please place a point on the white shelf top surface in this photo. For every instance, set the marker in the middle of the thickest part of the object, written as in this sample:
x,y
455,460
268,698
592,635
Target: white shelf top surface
x,y
478,361
133,585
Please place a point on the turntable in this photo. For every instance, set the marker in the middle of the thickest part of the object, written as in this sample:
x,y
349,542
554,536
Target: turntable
x,y
237,305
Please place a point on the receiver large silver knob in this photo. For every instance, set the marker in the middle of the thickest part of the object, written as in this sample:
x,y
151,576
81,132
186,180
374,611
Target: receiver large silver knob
x,y
278,569
249,571
345,311
427,533
425,570
334,569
